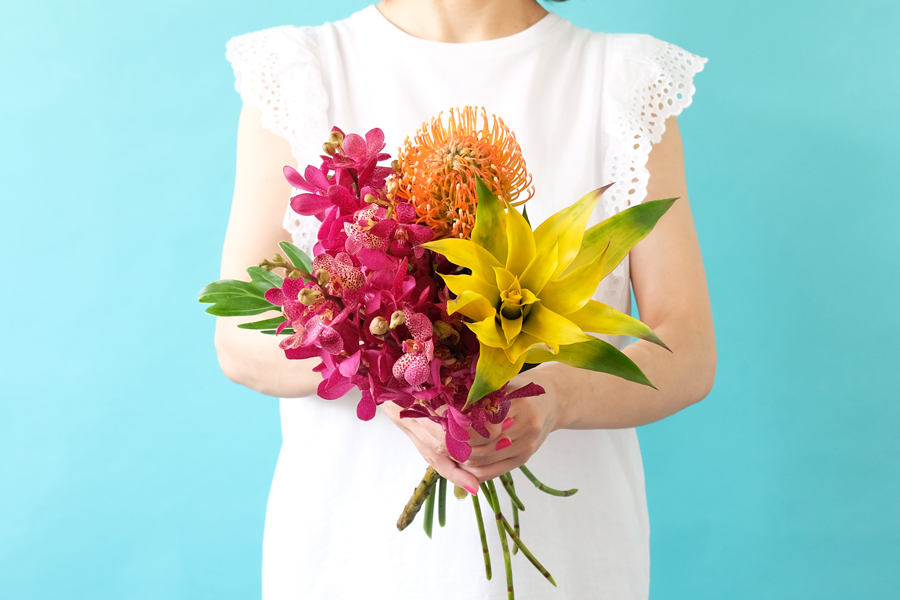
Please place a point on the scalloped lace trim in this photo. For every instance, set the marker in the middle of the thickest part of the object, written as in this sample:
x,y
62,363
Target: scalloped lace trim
x,y
670,91
277,70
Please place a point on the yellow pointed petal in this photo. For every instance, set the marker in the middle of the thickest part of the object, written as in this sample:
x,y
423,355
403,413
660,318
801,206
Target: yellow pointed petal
x,y
567,226
492,371
525,343
511,328
540,270
490,223
600,318
551,327
460,283
566,295
528,297
473,305
620,233
466,253
489,332
505,279
521,242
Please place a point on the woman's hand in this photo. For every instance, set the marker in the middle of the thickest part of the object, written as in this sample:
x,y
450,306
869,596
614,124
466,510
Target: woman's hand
x,y
529,422
428,437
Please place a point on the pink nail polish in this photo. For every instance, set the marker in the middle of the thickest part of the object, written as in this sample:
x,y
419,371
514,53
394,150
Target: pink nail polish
x,y
507,424
470,490
503,443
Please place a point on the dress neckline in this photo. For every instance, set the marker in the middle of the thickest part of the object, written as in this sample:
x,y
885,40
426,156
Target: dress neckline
x,y
388,31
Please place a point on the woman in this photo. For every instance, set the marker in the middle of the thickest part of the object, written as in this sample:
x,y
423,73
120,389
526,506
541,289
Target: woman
x,y
586,108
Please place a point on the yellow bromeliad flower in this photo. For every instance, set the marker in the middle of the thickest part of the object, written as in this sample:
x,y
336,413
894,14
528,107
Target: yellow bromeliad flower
x,y
528,293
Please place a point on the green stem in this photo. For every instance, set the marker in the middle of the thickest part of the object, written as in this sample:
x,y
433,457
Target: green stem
x,y
442,502
516,526
525,550
418,499
484,546
511,490
544,488
429,512
495,504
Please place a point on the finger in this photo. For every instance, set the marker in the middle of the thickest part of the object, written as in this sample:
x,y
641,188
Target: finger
x,y
496,469
488,454
477,439
434,450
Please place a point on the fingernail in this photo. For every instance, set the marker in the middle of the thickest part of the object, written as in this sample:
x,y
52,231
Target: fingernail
x,y
470,490
507,424
503,443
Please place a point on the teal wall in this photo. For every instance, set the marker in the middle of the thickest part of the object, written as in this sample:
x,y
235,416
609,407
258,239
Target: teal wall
x,y
131,468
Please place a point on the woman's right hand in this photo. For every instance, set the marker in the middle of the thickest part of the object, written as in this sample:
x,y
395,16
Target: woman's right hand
x,y
428,438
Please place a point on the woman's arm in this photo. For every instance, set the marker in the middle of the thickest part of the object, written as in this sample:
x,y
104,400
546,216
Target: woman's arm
x,y
254,230
671,291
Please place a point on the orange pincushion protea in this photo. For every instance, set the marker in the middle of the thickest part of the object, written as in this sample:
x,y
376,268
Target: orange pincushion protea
x,y
437,172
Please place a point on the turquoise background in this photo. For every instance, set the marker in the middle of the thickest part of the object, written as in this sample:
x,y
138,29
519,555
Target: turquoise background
x,y
131,468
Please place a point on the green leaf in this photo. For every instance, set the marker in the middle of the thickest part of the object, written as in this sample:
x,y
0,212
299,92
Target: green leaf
x,y
594,355
266,324
235,298
525,214
297,256
285,331
621,232
490,223
265,278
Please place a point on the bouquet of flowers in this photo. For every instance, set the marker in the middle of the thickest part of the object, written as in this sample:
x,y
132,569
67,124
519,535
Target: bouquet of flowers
x,y
430,290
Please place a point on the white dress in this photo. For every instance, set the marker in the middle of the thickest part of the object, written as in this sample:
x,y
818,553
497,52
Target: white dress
x,y
585,108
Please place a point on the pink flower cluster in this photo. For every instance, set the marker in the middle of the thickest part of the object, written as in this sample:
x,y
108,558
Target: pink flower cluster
x,y
373,309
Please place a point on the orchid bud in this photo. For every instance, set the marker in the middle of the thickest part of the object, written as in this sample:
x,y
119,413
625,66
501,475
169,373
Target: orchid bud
x,y
397,319
293,275
329,148
370,198
309,296
395,165
379,326
323,276
441,329
459,492
336,138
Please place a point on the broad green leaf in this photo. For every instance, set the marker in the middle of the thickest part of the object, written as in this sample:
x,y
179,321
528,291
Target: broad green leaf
x,y
600,318
285,331
594,355
620,232
491,372
490,223
266,324
265,278
297,256
235,298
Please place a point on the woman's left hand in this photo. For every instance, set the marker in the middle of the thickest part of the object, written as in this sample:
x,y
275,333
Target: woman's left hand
x,y
529,422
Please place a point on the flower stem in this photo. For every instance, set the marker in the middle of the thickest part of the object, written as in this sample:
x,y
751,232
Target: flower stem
x,y
484,546
442,502
506,478
414,505
544,488
429,512
525,550
494,500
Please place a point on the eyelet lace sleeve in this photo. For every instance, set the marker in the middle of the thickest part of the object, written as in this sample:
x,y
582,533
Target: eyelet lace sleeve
x,y
650,81
278,71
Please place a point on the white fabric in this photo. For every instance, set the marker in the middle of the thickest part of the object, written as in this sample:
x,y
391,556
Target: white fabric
x,y
586,108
